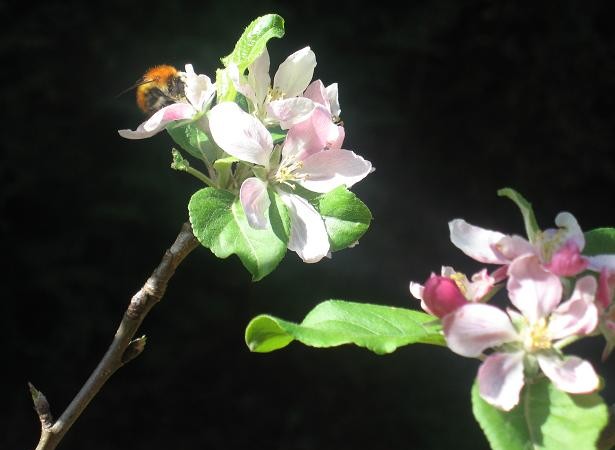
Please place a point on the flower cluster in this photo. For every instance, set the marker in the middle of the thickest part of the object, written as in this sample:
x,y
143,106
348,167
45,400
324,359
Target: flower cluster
x,y
303,156
526,340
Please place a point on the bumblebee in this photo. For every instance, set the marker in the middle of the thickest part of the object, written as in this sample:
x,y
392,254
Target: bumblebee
x,y
160,86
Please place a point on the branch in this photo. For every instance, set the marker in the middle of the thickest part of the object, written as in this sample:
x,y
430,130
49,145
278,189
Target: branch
x,y
123,348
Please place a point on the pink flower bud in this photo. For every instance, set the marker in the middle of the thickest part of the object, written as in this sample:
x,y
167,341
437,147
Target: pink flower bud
x,y
442,295
567,261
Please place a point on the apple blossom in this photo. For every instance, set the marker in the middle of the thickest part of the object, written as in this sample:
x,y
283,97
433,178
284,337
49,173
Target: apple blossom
x,y
198,92
442,294
305,160
558,250
281,103
526,340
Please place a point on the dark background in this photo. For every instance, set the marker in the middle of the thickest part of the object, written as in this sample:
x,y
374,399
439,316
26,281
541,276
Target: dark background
x,y
450,100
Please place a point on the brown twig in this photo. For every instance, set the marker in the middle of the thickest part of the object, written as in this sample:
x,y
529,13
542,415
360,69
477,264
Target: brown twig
x,y
123,348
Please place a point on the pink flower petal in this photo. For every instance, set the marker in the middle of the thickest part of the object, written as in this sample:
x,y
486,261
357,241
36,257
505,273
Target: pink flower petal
x,y
290,111
474,327
477,243
159,121
533,290
511,247
336,136
481,285
307,137
240,134
326,170
578,315
500,379
308,235
567,261
255,201
606,285
570,374
317,93
295,73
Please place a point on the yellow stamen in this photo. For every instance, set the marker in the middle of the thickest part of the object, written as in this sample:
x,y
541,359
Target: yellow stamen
x,y
537,337
461,281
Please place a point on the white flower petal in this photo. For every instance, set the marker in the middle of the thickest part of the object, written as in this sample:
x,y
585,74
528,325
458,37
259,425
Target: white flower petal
x,y
294,74
416,290
241,85
255,201
198,88
571,374
599,262
478,243
500,379
290,111
475,327
258,76
240,134
326,170
308,235
533,290
579,314
334,103
158,122
573,230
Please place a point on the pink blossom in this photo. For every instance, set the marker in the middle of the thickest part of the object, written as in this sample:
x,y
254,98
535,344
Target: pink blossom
x,y
444,293
280,102
558,250
527,334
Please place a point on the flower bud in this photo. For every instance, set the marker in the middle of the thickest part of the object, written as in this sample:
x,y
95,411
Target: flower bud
x,y
567,261
442,295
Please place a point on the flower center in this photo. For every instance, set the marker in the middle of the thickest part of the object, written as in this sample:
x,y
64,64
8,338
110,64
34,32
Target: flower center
x,y
286,173
274,94
537,337
550,243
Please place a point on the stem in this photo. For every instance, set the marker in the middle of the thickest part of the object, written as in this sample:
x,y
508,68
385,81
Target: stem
x,y
200,175
566,341
123,348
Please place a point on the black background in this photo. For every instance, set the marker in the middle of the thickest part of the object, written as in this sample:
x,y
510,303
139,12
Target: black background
x,y
450,100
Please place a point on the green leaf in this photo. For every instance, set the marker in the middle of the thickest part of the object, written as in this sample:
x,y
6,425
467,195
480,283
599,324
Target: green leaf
x,y
277,134
346,217
380,329
223,168
225,90
220,224
599,241
531,226
194,140
254,39
546,418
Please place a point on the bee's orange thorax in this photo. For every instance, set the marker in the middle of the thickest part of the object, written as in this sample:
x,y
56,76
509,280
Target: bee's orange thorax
x,y
159,77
